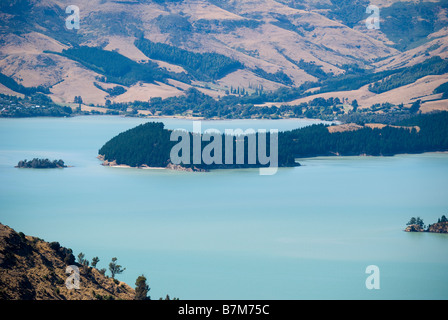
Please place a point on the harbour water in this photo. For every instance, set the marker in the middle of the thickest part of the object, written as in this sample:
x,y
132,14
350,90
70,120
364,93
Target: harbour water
x,y
304,233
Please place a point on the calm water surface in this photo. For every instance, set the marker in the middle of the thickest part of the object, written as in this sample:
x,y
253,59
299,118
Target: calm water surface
x,y
304,233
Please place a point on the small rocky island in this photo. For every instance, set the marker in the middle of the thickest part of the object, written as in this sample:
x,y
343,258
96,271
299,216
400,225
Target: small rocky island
x,y
417,225
41,164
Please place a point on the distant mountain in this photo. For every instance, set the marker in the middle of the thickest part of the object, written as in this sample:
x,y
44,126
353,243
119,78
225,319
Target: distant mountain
x,y
162,48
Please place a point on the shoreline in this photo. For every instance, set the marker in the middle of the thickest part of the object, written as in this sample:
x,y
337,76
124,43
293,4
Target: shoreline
x,y
113,164
233,119
174,167
370,156
175,117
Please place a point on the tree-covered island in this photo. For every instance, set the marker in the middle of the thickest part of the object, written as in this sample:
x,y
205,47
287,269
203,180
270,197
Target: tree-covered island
x,y
41,164
149,144
417,225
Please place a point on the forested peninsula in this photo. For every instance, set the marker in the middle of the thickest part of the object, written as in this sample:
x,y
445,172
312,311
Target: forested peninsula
x,y
149,145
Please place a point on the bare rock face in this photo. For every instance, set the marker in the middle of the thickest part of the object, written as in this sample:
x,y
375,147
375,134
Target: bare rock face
x,y
33,269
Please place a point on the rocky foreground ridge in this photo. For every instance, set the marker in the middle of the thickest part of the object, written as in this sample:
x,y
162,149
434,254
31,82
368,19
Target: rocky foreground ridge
x,y
33,269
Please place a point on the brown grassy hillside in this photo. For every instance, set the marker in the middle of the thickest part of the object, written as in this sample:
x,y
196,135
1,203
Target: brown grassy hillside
x,y
269,35
33,269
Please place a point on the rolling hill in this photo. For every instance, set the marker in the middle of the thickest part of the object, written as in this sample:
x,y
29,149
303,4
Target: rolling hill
x,y
156,48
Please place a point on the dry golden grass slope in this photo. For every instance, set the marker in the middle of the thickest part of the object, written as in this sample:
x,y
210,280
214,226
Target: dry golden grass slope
x,y
421,89
435,47
266,45
108,23
32,269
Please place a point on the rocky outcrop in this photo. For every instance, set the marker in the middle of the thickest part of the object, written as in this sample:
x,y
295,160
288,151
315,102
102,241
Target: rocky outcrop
x,y
109,163
414,228
33,269
181,168
439,227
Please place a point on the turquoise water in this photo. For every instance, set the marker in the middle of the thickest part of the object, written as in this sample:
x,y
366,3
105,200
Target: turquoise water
x,y
305,233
